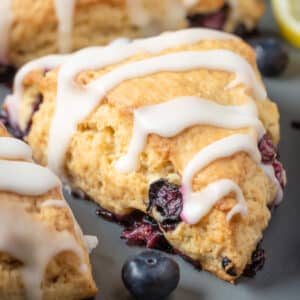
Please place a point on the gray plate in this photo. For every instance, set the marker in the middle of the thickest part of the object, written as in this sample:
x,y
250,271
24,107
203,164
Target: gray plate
x,y
280,278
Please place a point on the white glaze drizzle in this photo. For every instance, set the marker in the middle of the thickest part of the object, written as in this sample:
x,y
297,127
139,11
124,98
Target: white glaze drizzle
x,y
90,241
190,3
53,202
69,95
13,102
80,101
197,204
200,203
26,178
5,23
269,171
83,60
33,244
170,15
222,148
98,57
164,120
65,14
11,148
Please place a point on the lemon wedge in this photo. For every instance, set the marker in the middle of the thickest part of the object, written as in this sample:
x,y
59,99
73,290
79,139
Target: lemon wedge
x,y
287,15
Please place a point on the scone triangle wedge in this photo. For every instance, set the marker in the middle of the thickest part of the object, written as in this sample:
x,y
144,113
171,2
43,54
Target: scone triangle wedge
x,y
178,127
43,253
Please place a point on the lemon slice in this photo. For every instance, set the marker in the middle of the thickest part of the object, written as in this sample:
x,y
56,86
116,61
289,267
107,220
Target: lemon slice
x,y
287,14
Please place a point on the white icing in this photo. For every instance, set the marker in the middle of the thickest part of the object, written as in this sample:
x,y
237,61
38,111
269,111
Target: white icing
x,y
11,148
65,15
225,147
98,57
13,102
56,203
269,170
164,120
26,178
80,101
200,203
197,205
138,14
190,3
91,242
34,244
170,15
5,23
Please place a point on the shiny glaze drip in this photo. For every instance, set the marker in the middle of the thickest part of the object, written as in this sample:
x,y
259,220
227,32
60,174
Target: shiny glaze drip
x,y
11,148
13,102
91,241
84,100
26,178
33,250
174,15
65,15
163,119
198,204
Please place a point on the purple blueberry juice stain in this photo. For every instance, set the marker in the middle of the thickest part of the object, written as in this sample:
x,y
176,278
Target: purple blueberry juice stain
x,y
14,129
144,231
279,172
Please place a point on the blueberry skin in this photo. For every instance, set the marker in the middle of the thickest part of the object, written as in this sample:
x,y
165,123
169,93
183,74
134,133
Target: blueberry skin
x,y
150,275
271,56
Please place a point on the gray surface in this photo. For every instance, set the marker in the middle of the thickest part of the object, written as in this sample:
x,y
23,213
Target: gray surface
x,y
280,278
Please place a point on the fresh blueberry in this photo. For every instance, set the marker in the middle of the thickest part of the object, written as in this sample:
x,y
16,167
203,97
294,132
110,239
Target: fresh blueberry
x,y
272,57
150,275
166,198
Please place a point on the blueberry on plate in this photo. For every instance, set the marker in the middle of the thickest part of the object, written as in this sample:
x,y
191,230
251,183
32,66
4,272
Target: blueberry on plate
x,y
271,55
150,275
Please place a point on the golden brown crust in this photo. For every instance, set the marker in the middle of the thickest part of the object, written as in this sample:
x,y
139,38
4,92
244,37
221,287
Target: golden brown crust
x,y
105,134
98,22
246,13
63,278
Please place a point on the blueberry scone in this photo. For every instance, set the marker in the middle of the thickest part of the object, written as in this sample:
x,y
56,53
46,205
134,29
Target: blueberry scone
x,y
43,253
31,28
178,127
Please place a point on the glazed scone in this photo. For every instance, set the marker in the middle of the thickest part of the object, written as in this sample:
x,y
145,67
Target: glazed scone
x,y
30,28
178,127
43,254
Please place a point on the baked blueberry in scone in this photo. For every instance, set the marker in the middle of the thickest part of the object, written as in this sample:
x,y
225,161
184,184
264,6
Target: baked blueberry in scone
x,y
178,127
30,28
43,253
